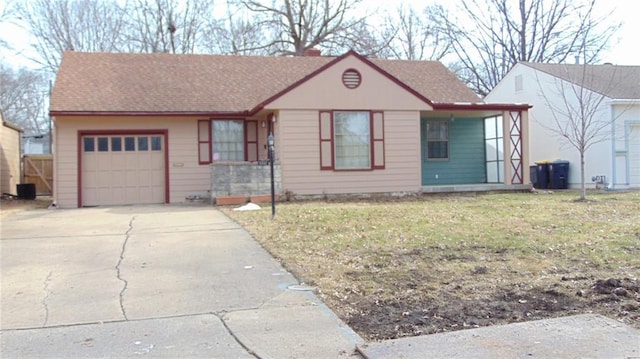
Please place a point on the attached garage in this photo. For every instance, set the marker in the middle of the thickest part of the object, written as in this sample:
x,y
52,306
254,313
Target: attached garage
x,y
634,156
122,168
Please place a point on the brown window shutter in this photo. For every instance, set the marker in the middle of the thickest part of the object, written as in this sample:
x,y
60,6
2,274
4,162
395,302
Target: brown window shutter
x,y
204,142
251,143
326,141
377,139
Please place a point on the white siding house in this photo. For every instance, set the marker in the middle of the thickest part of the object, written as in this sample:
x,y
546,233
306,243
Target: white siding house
x,y
611,92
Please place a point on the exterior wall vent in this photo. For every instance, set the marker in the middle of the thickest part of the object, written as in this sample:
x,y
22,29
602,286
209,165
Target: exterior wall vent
x,y
351,78
519,83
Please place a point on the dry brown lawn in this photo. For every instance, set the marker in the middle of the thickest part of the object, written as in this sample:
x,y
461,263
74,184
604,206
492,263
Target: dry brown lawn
x,y
393,268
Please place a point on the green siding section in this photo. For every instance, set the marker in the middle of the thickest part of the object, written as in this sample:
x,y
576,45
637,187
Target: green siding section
x,y
466,163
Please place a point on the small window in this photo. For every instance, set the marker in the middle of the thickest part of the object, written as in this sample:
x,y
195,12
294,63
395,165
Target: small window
x,y
116,144
103,144
89,144
437,140
143,143
129,144
156,143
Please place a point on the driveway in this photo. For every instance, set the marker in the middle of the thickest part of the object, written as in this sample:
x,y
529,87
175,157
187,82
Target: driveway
x,y
162,281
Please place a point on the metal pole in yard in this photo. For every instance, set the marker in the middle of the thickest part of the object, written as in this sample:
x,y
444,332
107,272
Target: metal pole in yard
x,y
272,159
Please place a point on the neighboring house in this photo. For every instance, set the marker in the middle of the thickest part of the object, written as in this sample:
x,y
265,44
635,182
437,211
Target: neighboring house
x,y
35,144
163,128
614,162
9,157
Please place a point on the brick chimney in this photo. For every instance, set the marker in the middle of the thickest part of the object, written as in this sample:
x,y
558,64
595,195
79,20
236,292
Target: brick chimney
x,y
312,52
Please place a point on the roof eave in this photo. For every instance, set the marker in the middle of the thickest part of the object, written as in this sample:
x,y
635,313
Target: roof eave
x,y
12,126
624,101
482,106
151,113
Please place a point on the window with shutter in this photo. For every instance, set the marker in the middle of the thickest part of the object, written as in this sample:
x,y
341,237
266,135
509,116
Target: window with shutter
x,y
204,142
352,140
227,140
326,141
377,119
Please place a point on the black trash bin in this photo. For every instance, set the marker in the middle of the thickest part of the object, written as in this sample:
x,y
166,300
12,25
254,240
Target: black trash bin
x,y
540,175
559,175
533,175
26,191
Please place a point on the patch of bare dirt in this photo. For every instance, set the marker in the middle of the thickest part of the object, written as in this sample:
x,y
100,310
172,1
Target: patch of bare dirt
x,y
10,205
455,310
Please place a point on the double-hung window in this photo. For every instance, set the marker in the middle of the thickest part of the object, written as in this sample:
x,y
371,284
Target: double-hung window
x,y
227,140
437,140
351,140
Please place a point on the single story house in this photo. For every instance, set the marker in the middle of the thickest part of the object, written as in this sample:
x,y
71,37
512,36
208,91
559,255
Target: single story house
x,y
610,92
165,128
10,174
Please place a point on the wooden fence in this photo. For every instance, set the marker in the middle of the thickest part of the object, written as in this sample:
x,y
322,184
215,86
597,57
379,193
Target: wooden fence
x,y
38,169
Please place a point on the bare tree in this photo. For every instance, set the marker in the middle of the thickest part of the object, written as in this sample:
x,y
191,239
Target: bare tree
x,y
293,26
489,37
72,25
235,33
23,96
578,105
7,13
414,37
167,25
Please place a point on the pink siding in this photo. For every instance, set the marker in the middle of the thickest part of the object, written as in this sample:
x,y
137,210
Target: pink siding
x,y
300,157
186,176
326,91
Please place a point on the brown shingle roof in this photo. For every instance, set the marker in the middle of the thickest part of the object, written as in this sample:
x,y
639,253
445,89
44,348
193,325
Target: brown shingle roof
x,y
122,82
613,81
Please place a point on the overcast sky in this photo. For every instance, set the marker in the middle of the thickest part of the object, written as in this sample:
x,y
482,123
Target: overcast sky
x,y
624,50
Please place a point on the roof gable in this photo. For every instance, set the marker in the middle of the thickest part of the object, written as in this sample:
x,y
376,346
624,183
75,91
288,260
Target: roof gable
x,y
613,81
168,83
325,89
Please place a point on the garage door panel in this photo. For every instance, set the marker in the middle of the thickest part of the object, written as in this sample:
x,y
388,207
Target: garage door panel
x,y
123,170
118,162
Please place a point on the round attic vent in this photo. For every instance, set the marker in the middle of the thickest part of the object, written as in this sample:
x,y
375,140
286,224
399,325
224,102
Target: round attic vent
x,y
351,78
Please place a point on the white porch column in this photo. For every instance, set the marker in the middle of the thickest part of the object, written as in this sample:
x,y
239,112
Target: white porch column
x,y
526,161
506,144
515,157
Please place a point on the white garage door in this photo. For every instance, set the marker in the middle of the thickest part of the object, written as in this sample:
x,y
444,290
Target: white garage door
x,y
634,156
122,169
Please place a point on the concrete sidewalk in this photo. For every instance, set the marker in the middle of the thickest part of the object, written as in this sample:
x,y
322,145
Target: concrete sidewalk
x,y
160,281
179,281
580,336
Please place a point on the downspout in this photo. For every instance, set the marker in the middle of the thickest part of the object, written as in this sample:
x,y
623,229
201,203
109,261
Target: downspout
x,y
613,148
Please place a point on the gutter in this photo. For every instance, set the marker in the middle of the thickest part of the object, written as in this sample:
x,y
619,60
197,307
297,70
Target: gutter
x,y
230,114
480,106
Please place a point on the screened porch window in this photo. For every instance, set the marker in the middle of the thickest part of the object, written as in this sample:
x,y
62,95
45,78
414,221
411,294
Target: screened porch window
x,y
494,149
437,140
